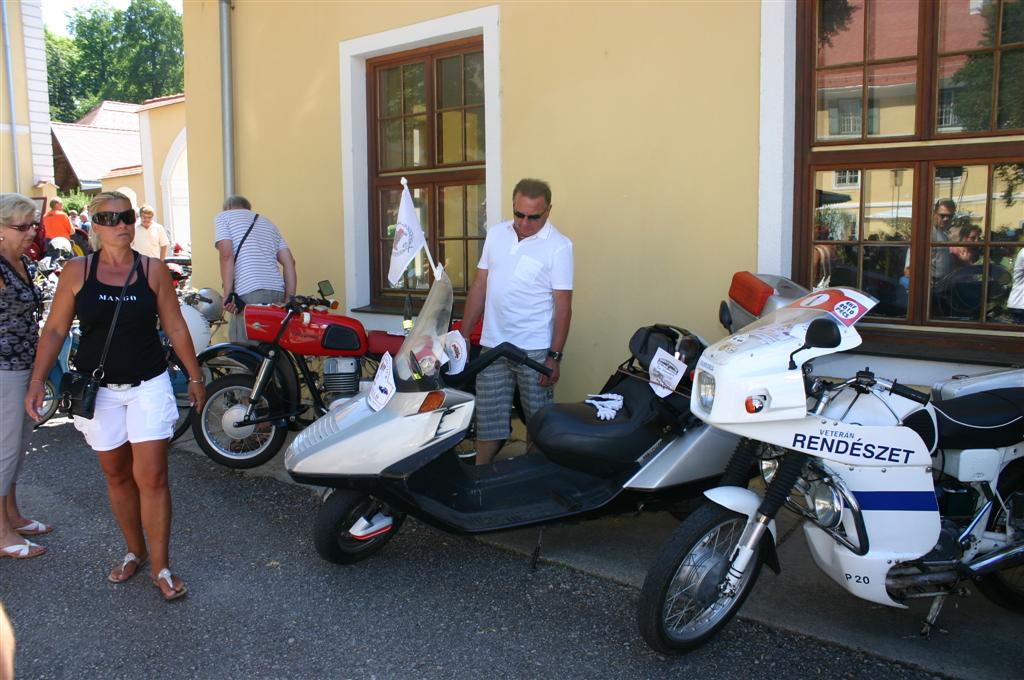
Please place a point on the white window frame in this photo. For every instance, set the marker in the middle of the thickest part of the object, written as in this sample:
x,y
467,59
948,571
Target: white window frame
x,y
844,184
354,136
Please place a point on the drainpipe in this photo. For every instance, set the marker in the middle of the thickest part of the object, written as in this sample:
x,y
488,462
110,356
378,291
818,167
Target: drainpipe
x,y
10,99
227,109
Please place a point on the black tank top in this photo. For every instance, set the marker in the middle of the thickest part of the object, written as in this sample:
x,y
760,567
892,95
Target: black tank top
x,y
136,352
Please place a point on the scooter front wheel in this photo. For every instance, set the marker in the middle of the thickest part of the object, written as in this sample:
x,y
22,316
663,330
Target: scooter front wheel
x,y
50,402
339,512
219,435
682,602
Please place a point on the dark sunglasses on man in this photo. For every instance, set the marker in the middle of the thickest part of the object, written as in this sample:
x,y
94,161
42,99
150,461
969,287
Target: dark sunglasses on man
x,y
25,227
111,219
524,216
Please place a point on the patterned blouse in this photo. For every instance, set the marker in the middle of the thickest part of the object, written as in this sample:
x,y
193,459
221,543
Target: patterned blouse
x,y
20,305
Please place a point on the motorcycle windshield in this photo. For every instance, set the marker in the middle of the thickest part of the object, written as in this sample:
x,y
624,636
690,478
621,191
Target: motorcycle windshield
x,y
846,305
422,354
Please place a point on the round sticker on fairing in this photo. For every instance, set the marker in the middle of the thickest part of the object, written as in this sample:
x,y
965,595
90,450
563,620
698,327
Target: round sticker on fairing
x,y
847,309
814,300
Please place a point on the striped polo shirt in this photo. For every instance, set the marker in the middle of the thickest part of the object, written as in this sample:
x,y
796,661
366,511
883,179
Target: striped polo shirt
x,y
256,267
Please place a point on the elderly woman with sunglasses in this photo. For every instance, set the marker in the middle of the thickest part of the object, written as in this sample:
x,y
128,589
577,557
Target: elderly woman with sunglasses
x,y
20,304
135,406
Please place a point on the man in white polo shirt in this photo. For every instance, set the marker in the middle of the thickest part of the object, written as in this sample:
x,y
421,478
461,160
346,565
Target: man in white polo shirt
x,y
523,288
251,250
150,236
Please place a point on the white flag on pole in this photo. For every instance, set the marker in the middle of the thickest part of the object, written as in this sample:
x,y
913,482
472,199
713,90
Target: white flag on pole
x,y
408,236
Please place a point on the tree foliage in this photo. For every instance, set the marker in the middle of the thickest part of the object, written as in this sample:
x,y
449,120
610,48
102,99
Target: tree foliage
x,y
130,56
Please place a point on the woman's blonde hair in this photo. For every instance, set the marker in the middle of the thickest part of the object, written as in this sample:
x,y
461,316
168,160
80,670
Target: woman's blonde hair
x,y
16,209
94,207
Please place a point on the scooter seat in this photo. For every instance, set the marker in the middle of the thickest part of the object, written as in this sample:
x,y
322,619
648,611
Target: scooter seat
x,y
990,419
573,436
378,342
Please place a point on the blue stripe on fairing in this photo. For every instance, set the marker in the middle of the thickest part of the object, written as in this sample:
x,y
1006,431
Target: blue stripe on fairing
x,y
896,500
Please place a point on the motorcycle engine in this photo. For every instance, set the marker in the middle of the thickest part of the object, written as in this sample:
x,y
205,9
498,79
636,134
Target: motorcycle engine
x,y
340,377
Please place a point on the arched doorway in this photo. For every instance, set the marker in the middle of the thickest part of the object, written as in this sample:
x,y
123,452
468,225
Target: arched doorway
x,y
174,187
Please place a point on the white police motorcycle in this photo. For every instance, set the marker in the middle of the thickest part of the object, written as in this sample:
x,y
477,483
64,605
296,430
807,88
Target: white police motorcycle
x,y
904,497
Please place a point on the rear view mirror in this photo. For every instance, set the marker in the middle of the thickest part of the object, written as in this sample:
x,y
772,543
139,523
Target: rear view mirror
x,y
326,289
823,333
724,316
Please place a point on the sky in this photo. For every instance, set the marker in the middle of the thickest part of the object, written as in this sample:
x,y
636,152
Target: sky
x,y
53,11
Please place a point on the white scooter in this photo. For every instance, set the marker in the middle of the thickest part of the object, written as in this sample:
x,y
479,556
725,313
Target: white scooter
x,y
903,497
380,465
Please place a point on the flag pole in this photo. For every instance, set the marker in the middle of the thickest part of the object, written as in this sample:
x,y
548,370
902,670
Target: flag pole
x,y
426,246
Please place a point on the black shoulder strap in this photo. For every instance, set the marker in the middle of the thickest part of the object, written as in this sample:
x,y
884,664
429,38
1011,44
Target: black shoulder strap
x,y
247,231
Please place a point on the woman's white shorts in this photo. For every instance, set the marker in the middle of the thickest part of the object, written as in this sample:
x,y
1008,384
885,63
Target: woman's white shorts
x,y
146,412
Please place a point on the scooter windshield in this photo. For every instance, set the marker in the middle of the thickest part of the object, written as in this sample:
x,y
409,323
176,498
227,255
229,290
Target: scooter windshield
x,y
844,305
422,354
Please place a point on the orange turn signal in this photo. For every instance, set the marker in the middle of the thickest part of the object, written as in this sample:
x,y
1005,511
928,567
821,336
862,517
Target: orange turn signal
x,y
433,401
754,404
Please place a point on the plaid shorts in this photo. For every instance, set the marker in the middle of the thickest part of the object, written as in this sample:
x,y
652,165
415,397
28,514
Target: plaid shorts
x,y
494,387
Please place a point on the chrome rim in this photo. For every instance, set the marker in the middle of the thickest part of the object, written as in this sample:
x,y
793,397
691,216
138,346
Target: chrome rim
x,y
226,445
694,604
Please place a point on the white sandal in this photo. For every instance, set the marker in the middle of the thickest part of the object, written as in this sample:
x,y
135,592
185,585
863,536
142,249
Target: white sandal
x,y
166,576
128,559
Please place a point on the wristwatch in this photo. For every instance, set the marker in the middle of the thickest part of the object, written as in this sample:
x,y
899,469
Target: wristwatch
x,y
557,356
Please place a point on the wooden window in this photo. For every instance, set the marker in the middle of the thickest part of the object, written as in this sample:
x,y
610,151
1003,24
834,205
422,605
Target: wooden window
x,y
427,124
883,80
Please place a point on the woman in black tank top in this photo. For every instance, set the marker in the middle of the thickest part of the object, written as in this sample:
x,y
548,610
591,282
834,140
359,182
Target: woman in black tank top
x,y
128,427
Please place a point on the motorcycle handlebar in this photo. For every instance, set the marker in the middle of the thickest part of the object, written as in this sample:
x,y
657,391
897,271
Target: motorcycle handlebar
x,y
906,392
505,350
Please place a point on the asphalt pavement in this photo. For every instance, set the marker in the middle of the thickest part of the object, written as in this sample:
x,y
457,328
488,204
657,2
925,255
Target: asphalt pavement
x,y
262,604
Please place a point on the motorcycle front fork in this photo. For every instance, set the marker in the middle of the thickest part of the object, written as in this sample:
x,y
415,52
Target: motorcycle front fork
x,y
775,496
260,383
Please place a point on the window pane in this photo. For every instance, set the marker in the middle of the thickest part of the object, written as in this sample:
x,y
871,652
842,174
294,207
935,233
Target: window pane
x,y
417,274
964,25
892,30
1008,274
1011,90
965,86
967,187
476,210
390,91
835,212
888,204
450,76
415,88
956,283
452,211
1008,203
840,32
474,70
887,277
839,103
389,200
834,265
391,144
416,141
474,247
451,254
450,137
892,99
1013,22
475,134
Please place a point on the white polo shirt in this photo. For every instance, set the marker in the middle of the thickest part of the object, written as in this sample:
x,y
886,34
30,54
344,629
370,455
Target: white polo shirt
x,y
521,277
148,241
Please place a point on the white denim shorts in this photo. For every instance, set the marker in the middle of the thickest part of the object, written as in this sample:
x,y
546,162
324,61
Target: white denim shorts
x,y
144,413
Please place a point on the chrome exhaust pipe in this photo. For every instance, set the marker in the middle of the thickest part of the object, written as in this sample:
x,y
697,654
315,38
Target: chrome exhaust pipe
x,y
1006,558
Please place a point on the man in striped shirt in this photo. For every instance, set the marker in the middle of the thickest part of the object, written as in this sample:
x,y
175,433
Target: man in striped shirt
x,y
260,270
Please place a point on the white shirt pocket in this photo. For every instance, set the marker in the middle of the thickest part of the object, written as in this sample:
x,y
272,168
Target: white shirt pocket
x,y
528,269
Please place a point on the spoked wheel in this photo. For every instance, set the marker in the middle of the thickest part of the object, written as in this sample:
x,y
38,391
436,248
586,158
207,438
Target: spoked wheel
x,y
339,512
179,383
682,603
1006,587
50,401
225,442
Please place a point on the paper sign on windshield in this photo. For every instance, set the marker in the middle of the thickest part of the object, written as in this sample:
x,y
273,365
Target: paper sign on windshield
x,y
455,348
383,387
845,304
666,372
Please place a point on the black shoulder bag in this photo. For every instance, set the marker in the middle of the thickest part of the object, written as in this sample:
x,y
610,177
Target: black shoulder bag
x,y
77,390
235,298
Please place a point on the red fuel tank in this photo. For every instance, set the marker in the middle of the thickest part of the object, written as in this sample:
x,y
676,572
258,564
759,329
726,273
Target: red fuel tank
x,y
314,333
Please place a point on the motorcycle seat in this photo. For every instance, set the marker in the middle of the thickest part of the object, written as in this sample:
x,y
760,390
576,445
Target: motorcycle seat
x,y
990,419
573,436
378,342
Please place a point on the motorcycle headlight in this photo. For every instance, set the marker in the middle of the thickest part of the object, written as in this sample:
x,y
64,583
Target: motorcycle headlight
x,y
827,504
706,390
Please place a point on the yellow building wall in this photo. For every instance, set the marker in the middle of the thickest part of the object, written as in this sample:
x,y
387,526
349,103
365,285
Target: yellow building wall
x,y
165,124
642,116
24,142
134,182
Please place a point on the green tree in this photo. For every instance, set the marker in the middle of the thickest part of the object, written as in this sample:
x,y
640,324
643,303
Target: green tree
x,y
131,56
62,76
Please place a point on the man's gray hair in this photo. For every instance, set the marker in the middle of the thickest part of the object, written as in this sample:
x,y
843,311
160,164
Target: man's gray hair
x,y
236,202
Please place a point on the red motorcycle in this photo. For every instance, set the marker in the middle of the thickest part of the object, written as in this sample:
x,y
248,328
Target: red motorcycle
x,y
255,394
